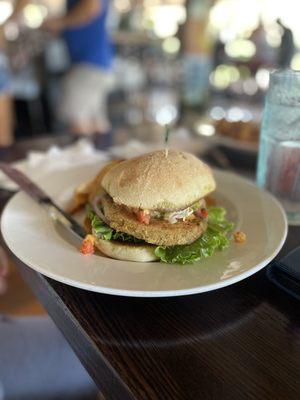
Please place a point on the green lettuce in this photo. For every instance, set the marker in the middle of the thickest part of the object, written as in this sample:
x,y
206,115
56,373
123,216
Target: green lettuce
x,y
214,238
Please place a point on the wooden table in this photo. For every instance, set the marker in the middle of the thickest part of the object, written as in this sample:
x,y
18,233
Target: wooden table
x,y
240,342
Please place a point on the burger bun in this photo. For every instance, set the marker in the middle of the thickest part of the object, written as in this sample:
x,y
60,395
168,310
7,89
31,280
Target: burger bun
x,y
126,251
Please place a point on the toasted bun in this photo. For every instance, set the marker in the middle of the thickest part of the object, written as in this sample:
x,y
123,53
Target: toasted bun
x,y
128,252
159,181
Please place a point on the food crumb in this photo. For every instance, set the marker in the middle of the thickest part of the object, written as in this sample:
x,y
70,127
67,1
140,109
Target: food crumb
x,y
87,246
239,237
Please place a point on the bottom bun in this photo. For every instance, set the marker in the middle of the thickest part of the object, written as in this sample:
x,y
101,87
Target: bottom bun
x,y
125,251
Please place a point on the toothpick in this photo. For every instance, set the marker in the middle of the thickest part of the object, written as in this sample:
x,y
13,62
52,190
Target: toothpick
x,y
167,135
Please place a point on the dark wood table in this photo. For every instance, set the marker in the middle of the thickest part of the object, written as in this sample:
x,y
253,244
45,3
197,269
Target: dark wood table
x,y
239,342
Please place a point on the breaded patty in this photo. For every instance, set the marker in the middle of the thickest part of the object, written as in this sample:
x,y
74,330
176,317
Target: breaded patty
x,y
158,232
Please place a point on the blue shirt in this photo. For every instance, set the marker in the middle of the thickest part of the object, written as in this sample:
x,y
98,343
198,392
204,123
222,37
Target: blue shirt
x,y
90,43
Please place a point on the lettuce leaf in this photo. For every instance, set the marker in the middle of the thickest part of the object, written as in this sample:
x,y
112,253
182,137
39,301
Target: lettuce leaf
x,y
217,219
215,238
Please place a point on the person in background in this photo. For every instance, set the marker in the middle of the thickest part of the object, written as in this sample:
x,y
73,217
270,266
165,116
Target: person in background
x,y
287,46
6,127
86,86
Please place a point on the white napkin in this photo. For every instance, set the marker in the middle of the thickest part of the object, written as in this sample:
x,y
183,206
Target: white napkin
x,y
80,153
38,164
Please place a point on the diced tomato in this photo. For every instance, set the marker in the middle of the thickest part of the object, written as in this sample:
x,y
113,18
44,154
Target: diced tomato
x,y
201,213
87,246
143,217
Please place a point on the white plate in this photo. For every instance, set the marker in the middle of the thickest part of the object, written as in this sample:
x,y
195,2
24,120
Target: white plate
x,y
48,249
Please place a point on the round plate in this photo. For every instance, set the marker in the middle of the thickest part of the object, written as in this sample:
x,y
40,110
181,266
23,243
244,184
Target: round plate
x,y
52,251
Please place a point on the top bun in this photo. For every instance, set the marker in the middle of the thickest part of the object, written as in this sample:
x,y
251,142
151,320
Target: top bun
x,y
159,181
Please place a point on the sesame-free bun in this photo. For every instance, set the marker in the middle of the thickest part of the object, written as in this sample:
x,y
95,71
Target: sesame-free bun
x,y
161,180
125,251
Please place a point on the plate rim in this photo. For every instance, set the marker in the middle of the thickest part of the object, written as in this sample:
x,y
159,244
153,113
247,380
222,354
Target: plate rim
x,y
161,293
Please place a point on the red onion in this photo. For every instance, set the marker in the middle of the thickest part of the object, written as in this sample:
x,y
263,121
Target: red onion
x,y
97,209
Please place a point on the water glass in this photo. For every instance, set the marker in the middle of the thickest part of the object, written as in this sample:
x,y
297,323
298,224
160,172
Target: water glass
x,y
278,167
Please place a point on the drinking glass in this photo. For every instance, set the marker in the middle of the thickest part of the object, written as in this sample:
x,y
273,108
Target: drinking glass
x,y
278,167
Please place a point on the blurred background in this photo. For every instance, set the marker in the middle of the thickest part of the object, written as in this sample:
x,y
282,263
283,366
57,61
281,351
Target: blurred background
x,y
123,72
201,66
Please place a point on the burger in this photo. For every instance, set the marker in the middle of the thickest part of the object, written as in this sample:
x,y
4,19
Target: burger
x,y
154,207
